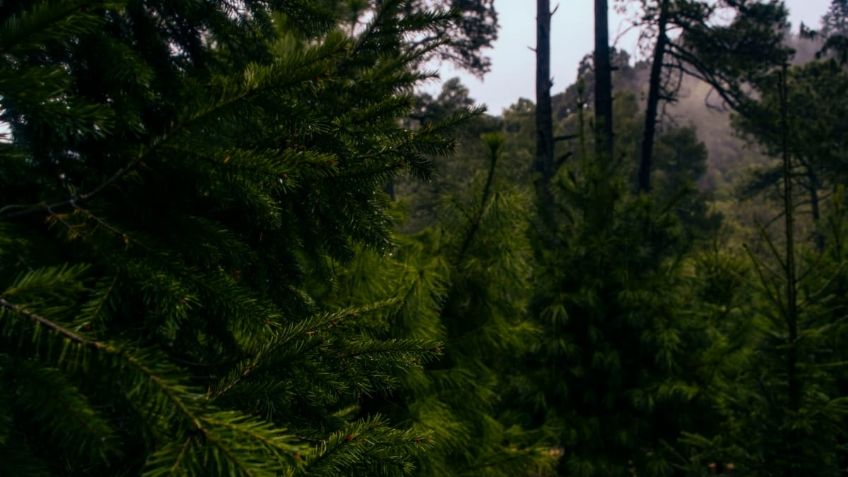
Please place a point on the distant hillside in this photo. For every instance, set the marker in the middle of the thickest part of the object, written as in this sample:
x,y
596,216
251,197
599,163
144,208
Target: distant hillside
x,y
728,155
730,158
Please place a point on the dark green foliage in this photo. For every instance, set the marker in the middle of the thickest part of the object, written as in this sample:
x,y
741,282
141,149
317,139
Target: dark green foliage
x,y
779,397
176,176
729,56
835,21
475,29
756,427
463,282
815,136
203,272
681,162
612,367
834,32
450,173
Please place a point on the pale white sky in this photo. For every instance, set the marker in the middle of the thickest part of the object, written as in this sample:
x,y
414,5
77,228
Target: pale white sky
x,y
513,68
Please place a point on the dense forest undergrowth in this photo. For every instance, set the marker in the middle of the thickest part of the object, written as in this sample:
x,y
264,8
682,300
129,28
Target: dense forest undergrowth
x,y
236,240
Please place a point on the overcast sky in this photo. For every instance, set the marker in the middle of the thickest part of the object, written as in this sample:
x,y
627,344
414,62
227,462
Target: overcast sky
x,y
513,69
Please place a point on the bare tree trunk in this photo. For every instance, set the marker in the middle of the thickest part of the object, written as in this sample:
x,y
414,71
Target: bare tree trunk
x,y
814,187
389,188
603,83
477,220
544,111
791,312
654,86
543,163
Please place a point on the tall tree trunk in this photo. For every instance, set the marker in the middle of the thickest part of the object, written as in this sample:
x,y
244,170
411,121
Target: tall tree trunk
x,y
477,220
654,86
543,164
814,186
791,311
603,83
544,111
389,188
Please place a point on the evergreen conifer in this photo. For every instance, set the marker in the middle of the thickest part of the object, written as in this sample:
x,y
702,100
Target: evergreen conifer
x,y
464,283
175,176
612,369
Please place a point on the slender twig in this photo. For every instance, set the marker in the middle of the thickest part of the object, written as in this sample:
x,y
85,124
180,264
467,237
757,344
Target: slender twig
x,y
67,333
73,201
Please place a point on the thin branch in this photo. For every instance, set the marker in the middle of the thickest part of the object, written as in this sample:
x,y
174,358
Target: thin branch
x,y
51,325
73,201
108,349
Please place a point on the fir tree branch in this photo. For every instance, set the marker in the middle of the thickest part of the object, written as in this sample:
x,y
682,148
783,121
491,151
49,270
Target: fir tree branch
x,y
256,81
174,468
203,423
23,210
484,203
105,348
49,324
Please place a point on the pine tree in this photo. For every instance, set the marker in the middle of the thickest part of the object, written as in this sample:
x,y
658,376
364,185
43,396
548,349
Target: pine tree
x,y
612,369
602,62
464,283
655,86
543,163
421,198
175,177
781,406
835,21
474,30
728,57
814,137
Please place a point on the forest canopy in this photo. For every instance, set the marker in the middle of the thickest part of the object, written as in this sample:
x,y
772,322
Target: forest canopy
x,y
237,238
